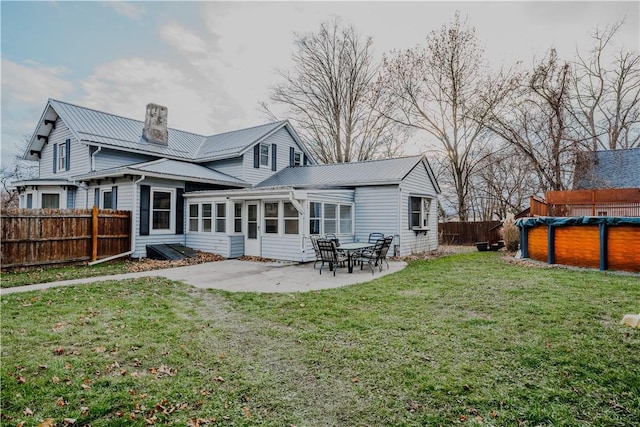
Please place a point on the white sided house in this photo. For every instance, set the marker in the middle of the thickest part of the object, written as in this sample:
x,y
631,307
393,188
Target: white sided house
x,y
254,191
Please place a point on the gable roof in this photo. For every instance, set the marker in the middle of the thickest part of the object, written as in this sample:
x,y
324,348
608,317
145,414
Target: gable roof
x,y
104,129
607,169
170,169
373,172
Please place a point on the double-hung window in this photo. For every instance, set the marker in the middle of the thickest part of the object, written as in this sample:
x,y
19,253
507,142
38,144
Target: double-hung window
x,y
237,217
162,216
271,217
106,199
297,159
206,217
419,213
194,217
291,221
315,217
264,154
221,217
62,156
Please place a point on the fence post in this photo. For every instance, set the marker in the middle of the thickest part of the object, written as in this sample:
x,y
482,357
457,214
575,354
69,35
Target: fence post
x,y
551,244
603,246
94,233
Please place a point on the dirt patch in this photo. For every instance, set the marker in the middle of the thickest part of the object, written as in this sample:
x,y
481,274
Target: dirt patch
x,y
443,250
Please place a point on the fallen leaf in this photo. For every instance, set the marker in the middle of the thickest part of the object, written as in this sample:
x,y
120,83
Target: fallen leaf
x,y
55,380
219,379
494,414
100,349
246,411
58,326
355,379
58,351
21,379
84,410
28,412
69,421
21,424
60,401
49,422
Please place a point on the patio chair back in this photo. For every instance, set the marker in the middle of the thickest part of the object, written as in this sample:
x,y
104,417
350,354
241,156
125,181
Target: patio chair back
x,y
329,254
372,256
384,250
373,237
316,249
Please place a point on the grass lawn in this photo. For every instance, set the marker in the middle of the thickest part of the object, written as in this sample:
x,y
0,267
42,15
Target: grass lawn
x,y
465,339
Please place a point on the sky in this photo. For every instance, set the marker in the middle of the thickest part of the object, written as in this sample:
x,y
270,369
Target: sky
x,y
212,62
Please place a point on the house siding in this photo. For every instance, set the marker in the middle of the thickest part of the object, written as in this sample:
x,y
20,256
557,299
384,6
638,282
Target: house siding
x,y
79,161
109,159
217,243
231,167
376,211
236,246
417,183
283,140
284,247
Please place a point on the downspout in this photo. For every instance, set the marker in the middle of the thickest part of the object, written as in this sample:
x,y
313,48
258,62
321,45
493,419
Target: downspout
x,y
134,212
93,159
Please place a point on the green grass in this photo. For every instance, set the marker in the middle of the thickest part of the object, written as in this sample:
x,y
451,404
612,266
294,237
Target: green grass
x,y
463,339
11,279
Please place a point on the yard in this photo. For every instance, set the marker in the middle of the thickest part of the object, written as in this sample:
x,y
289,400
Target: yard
x,y
466,338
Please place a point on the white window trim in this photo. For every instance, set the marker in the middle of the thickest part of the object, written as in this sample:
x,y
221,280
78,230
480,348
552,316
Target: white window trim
x,y
62,157
101,201
42,193
234,218
198,218
172,211
290,218
424,214
337,219
268,164
299,155
215,218
201,217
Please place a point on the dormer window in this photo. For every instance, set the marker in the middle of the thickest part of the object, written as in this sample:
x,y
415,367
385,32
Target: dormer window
x,y
264,155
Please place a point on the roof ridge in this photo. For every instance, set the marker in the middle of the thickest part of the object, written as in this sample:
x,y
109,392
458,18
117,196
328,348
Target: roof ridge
x,y
120,116
416,156
247,128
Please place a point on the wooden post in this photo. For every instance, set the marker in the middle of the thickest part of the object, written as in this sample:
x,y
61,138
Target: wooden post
x,y
94,233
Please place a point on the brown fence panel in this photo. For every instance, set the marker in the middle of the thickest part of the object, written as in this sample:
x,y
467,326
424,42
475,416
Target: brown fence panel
x,y
465,233
35,237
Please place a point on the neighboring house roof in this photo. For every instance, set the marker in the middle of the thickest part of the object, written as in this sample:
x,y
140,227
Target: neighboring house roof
x,y
99,128
171,169
373,172
608,169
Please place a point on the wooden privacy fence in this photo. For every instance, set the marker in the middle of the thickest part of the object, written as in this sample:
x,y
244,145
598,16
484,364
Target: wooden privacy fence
x,y
38,237
465,233
614,202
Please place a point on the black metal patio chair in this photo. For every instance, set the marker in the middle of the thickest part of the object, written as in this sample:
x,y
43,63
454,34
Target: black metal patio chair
x,y
329,254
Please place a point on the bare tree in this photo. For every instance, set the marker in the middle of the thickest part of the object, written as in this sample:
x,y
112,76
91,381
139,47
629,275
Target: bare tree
x,y
329,97
503,184
607,99
536,119
436,89
17,170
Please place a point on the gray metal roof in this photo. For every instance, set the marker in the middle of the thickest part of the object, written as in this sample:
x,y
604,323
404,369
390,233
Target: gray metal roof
x,y
98,127
235,142
608,169
374,172
170,169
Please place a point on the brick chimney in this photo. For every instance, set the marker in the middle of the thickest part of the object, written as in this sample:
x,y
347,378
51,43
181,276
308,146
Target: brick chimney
x,y
155,125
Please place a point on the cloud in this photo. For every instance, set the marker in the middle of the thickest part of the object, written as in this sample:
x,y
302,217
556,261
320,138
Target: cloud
x,y
124,87
183,39
128,9
32,82
25,90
